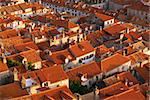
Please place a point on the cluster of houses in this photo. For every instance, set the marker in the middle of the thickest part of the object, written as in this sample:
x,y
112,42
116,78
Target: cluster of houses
x,y
46,45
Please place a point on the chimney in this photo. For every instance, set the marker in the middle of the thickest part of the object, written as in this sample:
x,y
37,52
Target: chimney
x,y
42,28
2,46
100,28
126,82
40,2
128,30
48,52
15,72
80,30
4,60
125,51
85,37
81,47
35,39
54,37
30,29
24,61
63,33
43,36
33,25
66,61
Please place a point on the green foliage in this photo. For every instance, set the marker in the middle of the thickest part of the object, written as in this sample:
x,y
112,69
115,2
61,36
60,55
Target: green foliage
x,y
30,66
146,92
12,63
76,87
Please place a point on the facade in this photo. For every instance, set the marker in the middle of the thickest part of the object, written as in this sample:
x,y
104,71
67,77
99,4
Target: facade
x,y
4,71
111,65
83,52
53,79
139,10
87,74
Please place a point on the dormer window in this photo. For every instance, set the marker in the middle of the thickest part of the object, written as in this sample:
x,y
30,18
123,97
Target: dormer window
x,y
43,36
24,60
46,84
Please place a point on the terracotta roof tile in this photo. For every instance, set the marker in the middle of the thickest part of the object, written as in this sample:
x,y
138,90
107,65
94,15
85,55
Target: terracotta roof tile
x,y
81,48
137,57
24,46
59,56
115,29
3,67
90,69
112,62
128,95
30,55
104,17
146,35
56,93
127,75
8,33
143,72
111,90
12,90
102,49
139,6
52,74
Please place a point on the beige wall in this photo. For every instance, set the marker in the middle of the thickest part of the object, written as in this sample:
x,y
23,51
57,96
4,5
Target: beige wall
x,y
125,67
38,65
59,83
78,58
74,29
91,80
109,22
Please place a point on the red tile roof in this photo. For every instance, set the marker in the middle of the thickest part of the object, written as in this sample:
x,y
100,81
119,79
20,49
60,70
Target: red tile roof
x,y
128,95
55,94
114,89
26,46
59,56
127,75
102,49
8,33
139,6
9,42
143,72
29,75
30,55
90,70
112,62
52,74
137,56
145,35
3,67
81,48
11,91
115,29
103,17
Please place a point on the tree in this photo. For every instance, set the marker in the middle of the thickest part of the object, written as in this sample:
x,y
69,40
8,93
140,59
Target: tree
x,y
76,87
30,66
12,63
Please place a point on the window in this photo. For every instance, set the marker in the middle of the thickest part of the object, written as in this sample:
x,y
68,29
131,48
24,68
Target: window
x,y
80,61
46,84
90,83
96,77
107,22
146,17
